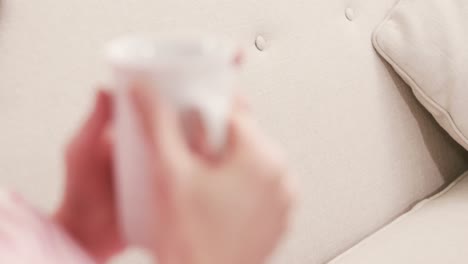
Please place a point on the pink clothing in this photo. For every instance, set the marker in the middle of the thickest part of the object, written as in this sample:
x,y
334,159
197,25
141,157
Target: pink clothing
x,y
27,236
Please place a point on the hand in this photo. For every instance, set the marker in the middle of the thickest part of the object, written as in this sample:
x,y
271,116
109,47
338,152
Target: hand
x,y
228,210
88,211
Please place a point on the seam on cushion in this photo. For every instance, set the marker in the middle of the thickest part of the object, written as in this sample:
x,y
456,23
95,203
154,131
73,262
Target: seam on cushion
x,y
434,105
423,97
414,209
385,20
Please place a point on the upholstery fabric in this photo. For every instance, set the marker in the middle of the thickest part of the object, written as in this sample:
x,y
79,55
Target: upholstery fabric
x,y
361,147
426,42
434,231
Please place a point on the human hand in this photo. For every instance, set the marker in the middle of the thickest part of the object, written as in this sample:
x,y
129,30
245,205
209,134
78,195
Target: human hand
x,y
228,210
88,211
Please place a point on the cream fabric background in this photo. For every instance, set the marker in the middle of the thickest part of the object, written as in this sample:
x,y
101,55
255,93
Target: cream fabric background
x,y
362,149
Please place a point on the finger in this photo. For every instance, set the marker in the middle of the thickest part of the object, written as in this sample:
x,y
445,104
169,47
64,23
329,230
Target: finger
x,y
235,132
286,194
99,118
247,143
195,133
241,133
91,132
160,124
155,120
106,146
145,112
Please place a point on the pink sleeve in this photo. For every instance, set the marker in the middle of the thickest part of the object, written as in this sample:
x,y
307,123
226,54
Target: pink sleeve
x,y
28,237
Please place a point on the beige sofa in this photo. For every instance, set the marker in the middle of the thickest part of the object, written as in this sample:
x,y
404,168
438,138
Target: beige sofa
x,y
363,149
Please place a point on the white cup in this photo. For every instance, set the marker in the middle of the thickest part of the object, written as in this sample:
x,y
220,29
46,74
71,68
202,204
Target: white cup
x,y
192,74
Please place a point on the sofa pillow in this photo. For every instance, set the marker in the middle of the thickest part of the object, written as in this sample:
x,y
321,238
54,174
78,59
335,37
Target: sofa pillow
x,y
426,42
435,231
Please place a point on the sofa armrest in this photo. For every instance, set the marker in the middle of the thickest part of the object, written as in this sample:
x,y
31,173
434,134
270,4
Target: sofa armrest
x,y
434,231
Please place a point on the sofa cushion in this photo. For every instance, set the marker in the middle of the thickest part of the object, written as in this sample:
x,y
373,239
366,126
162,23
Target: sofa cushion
x,y
426,42
434,231
361,146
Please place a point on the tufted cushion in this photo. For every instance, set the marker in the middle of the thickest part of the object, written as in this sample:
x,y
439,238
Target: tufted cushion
x,y
435,231
426,42
361,147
